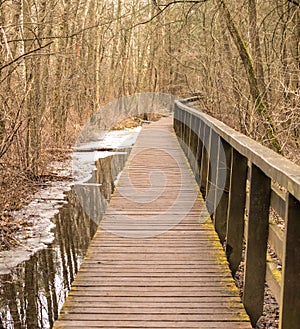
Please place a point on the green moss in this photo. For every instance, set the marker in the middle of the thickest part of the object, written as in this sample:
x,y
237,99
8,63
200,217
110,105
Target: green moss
x,y
243,316
275,272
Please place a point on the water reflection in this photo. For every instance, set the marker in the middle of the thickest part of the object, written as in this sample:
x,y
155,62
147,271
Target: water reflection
x,y
32,295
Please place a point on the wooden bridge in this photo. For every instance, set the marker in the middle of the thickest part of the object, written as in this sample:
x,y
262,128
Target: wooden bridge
x,y
157,259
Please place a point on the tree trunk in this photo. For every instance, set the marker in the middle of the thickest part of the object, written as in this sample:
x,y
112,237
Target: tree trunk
x,y
257,96
255,47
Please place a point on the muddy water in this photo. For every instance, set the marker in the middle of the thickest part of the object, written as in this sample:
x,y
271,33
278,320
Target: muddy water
x,y
32,294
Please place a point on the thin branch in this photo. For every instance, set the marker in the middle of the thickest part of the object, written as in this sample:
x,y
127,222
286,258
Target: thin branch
x,y
69,36
24,55
177,2
75,34
165,7
295,2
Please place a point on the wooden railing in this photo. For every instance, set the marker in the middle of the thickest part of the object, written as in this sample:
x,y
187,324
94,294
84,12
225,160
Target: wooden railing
x,y
247,185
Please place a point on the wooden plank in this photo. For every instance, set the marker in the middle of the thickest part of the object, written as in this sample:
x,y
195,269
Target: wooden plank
x,y
146,309
90,324
273,279
87,316
91,271
189,313
278,201
209,307
276,238
178,276
149,282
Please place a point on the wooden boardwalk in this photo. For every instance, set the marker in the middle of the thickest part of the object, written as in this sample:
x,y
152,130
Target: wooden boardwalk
x,y
155,261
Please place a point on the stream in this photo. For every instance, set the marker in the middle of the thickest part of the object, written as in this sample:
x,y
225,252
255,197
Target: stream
x,y
33,292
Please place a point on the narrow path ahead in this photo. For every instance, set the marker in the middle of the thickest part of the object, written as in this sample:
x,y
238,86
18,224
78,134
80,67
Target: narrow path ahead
x,y
155,261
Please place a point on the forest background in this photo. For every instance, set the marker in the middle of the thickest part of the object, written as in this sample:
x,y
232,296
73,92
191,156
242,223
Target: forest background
x,y
61,60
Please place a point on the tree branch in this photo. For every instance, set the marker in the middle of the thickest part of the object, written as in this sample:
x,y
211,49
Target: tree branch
x,y
178,1
295,2
165,7
24,55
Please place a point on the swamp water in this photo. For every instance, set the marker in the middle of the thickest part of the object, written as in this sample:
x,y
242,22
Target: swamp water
x,y
32,294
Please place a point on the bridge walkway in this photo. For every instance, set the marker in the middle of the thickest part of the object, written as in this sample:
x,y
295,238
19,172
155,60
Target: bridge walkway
x,y
155,261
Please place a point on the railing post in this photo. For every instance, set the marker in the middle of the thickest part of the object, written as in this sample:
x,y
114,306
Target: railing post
x,y
189,136
212,174
205,159
212,171
183,136
236,210
198,155
181,118
195,122
186,137
290,291
222,189
178,113
256,243
176,121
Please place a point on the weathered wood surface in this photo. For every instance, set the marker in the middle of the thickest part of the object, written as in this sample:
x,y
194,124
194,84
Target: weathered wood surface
x,y
155,261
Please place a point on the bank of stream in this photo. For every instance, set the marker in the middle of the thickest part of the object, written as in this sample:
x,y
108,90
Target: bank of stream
x,y
33,292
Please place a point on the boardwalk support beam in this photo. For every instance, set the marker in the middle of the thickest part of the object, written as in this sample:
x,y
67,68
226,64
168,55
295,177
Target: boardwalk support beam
x,y
236,210
256,243
290,301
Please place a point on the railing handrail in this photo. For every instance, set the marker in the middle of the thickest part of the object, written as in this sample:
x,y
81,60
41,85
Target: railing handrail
x,y
274,165
241,181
